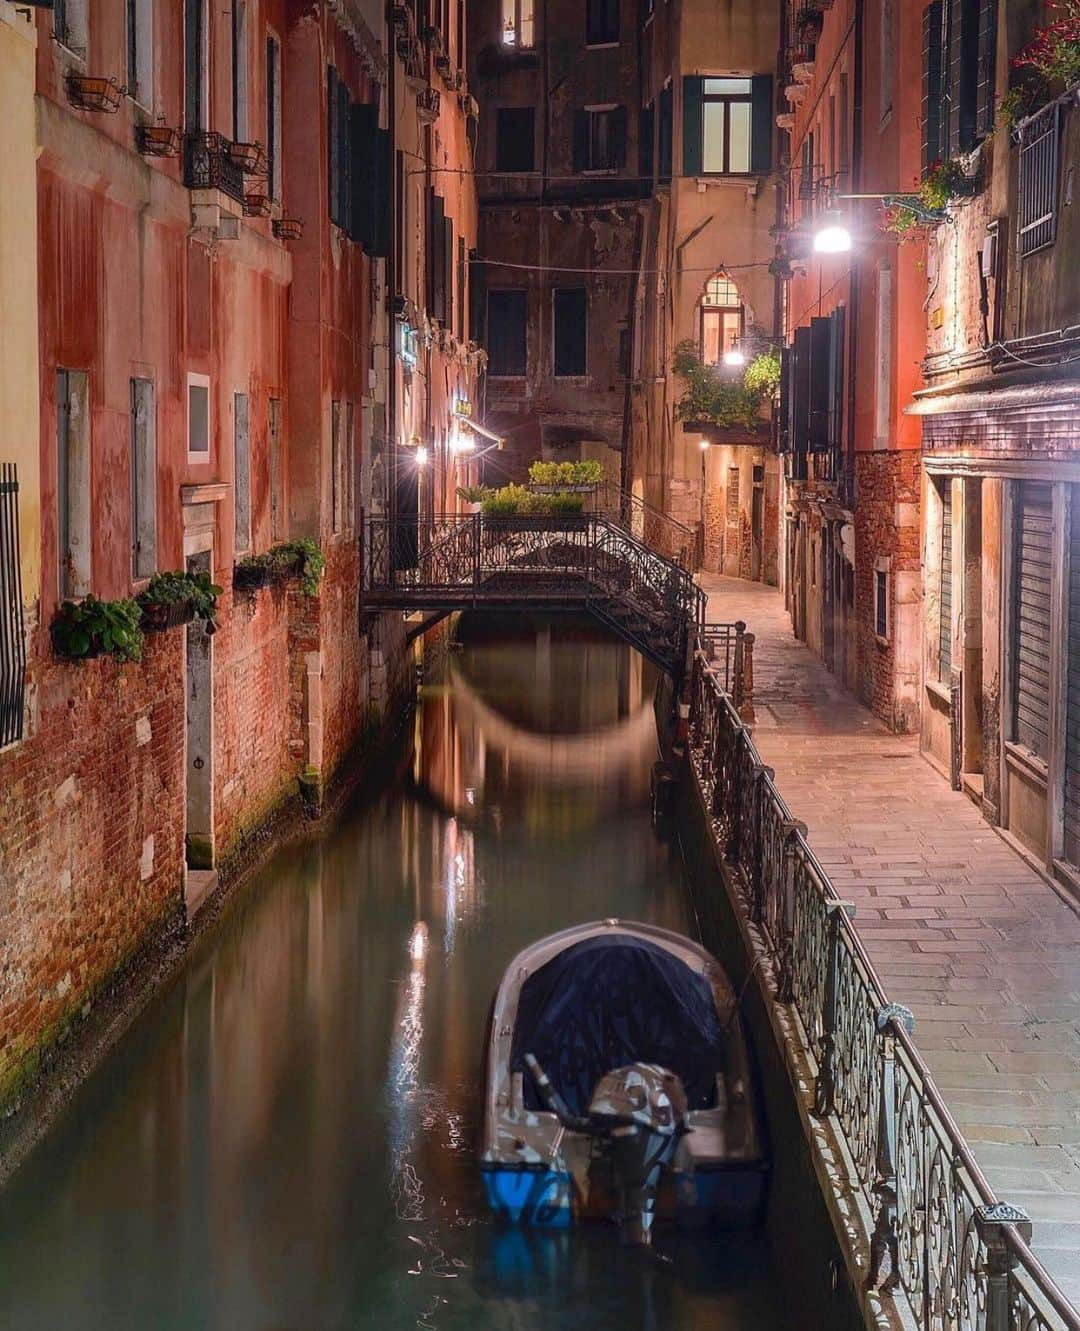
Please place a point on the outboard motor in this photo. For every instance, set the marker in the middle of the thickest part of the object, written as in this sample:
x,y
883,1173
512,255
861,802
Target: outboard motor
x,y
638,1113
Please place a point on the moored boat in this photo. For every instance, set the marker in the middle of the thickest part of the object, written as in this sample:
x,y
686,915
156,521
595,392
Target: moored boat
x,y
619,1084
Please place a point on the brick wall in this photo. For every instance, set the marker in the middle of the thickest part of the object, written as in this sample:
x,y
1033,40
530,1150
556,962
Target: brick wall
x,y
91,806
887,527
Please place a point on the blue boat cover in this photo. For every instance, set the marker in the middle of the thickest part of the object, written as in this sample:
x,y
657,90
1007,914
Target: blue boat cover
x,y
610,1001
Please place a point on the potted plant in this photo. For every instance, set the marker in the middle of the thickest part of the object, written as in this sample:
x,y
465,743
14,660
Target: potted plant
x,y
302,560
559,477
89,628
473,496
178,598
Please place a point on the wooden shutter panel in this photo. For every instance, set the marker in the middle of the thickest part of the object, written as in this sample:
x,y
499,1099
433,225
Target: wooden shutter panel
x,y
800,407
786,399
581,140
761,125
382,208
448,272
429,250
437,252
618,136
836,380
933,21
344,198
945,587
820,371
645,146
477,298
331,141
665,134
693,125
963,49
984,96
362,150
1031,616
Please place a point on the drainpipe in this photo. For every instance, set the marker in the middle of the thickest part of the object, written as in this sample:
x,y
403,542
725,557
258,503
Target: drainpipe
x,y
391,262
848,491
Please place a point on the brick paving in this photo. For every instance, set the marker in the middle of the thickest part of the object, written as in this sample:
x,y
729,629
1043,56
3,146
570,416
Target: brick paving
x,y
961,930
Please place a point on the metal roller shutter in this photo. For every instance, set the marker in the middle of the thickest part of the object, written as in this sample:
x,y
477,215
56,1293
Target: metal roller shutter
x,y
945,626
1031,617
1072,696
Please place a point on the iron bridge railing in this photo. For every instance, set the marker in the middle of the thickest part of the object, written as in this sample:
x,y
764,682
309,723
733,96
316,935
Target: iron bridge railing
x,y
941,1236
455,560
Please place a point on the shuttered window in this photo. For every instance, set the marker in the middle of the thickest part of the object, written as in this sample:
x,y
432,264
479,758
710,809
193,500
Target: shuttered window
x,y
959,41
932,87
945,622
506,309
600,139
515,137
571,331
369,208
1031,617
143,479
727,125
1072,694
665,136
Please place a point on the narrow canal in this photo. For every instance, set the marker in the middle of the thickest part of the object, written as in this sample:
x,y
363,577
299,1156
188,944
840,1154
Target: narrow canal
x,y
287,1139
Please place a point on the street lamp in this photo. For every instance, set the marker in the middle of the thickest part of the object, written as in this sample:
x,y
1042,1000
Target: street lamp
x,y
832,235
421,455
734,356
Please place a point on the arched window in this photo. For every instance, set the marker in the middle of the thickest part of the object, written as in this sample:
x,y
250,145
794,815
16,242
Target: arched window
x,y
721,318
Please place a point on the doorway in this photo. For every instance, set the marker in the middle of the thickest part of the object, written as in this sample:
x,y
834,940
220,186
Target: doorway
x,y
970,702
199,763
757,523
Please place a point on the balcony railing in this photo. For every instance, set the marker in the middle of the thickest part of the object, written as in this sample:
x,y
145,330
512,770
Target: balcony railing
x,y
12,641
209,164
941,1238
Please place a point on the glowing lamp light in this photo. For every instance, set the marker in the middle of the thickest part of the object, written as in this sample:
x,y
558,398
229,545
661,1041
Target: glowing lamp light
x,y
421,455
704,445
734,356
832,237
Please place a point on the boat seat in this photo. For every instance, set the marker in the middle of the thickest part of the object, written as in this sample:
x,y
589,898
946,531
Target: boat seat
x,y
706,1143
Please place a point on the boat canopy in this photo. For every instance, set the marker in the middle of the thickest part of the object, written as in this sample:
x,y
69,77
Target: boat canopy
x,y
613,1000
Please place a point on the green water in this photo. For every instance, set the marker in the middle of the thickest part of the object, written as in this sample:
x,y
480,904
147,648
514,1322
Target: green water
x,y
287,1139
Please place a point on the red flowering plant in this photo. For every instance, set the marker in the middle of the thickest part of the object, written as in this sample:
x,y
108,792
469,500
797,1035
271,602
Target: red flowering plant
x,y
1054,52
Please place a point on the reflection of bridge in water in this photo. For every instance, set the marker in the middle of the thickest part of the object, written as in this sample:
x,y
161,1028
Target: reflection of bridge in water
x,y
587,563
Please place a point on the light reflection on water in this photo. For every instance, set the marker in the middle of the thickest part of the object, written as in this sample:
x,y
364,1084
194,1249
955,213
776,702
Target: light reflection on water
x,y
287,1140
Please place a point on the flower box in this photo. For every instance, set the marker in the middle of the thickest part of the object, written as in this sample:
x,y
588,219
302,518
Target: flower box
x,y
159,616
89,92
250,158
157,140
288,228
257,205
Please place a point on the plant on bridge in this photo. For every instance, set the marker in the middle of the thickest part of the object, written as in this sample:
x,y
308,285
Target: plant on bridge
x,y
708,396
518,501
586,472
88,628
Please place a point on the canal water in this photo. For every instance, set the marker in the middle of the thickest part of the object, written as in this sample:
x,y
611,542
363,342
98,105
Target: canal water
x,y
287,1139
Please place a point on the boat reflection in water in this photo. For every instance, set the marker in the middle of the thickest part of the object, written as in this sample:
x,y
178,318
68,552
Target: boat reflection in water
x,y
288,1137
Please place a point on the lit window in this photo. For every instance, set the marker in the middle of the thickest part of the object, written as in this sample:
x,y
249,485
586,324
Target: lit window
x,y
726,109
517,23
721,318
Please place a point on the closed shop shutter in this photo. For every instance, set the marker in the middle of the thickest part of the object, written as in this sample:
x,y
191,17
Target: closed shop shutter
x,y
1031,617
1072,697
945,627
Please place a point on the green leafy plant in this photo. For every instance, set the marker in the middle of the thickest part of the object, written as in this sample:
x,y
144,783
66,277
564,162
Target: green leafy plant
x,y
517,501
942,184
763,375
300,559
1017,104
709,397
1053,55
900,221
587,472
88,628
473,494
180,589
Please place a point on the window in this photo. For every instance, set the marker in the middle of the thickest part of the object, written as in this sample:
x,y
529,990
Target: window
x,y
196,88
70,25
240,72
349,465
273,117
646,154
518,28
143,479
12,628
665,136
338,147
241,473
600,138
958,94
198,411
601,22
571,331
337,452
506,332
274,442
727,125
140,51
721,319
887,60
514,138
883,380
461,300
73,482
881,600
1040,148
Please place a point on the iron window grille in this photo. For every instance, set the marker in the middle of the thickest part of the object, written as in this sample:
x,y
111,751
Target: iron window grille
x,y
208,164
1040,150
12,640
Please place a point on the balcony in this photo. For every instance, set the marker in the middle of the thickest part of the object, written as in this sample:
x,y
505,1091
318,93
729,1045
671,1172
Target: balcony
x,y
210,164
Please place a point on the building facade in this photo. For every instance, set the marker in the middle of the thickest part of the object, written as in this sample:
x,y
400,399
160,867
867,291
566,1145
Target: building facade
x,y
999,412
705,289
199,372
855,338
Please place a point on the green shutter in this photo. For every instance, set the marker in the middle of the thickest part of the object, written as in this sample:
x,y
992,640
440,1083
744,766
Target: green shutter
x,y
761,125
693,124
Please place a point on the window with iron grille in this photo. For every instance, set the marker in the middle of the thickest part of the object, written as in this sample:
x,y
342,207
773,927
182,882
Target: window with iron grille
x,y
12,641
1037,206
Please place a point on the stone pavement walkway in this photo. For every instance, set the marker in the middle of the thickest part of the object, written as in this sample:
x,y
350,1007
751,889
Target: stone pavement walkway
x,y
960,929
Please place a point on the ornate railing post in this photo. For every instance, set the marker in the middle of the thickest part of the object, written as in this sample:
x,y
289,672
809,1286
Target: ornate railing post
x,y
993,1223
825,1091
884,1239
737,665
785,971
757,857
734,794
746,703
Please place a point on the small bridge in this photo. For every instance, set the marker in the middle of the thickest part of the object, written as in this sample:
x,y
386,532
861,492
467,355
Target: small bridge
x,y
588,563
